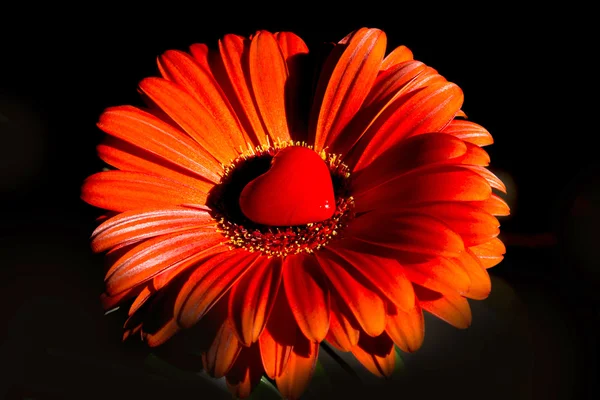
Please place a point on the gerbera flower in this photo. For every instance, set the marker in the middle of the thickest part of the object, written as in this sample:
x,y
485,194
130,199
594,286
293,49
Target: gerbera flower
x,y
275,198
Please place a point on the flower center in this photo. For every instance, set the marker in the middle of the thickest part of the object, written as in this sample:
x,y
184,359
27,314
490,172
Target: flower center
x,y
250,182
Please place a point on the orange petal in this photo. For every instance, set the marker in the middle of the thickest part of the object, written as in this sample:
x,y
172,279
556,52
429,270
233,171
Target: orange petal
x,y
474,225
123,191
376,354
452,308
475,155
365,305
197,80
407,232
407,329
245,373
494,205
252,298
427,110
223,352
341,332
308,295
231,70
208,283
160,139
132,226
426,185
268,75
278,338
156,255
481,285
160,336
141,299
300,368
492,179
340,95
211,133
407,155
469,132
439,274
201,53
490,253
399,55
385,274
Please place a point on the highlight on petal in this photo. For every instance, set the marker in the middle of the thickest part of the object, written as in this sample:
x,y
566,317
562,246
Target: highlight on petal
x,y
406,328
299,370
452,308
341,94
399,55
490,253
307,291
469,132
481,285
223,351
252,298
440,274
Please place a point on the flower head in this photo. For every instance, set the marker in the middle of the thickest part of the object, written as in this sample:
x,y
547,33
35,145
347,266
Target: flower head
x,y
274,198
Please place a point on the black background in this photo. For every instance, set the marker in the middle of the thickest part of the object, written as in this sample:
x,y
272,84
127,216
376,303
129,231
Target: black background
x,y
526,77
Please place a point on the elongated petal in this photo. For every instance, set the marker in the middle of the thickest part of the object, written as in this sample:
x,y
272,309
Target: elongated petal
x,y
481,284
252,298
245,373
469,132
278,338
415,152
399,55
208,283
268,75
366,306
474,225
427,110
341,94
132,226
409,232
299,370
155,255
162,335
407,329
494,205
385,273
201,54
141,299
439,274
123,191
223,351
164,141
341,333
198,81
426,185
489,176
376,354
231,71
308,294
490,253
452,308
192,117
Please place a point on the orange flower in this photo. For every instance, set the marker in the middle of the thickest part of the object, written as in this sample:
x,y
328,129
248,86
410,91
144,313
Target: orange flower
x,y
274,207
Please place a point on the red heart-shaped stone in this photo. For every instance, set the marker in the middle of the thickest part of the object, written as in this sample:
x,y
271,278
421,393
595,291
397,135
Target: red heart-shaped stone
x,y
296,190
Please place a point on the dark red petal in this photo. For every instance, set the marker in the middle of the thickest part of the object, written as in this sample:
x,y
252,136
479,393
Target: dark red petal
x,y
155,136
385,274
377,354
132,226
409,232
278,338
407,329
366,306
452,308
426,185
299,370
223,351
307,291
409,154
155,255
252,298
124,191
208,283
340,94
490,253
245,373
197,80
341,332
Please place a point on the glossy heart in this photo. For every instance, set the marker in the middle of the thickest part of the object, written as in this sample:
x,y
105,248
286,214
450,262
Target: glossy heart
x,y
296,190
